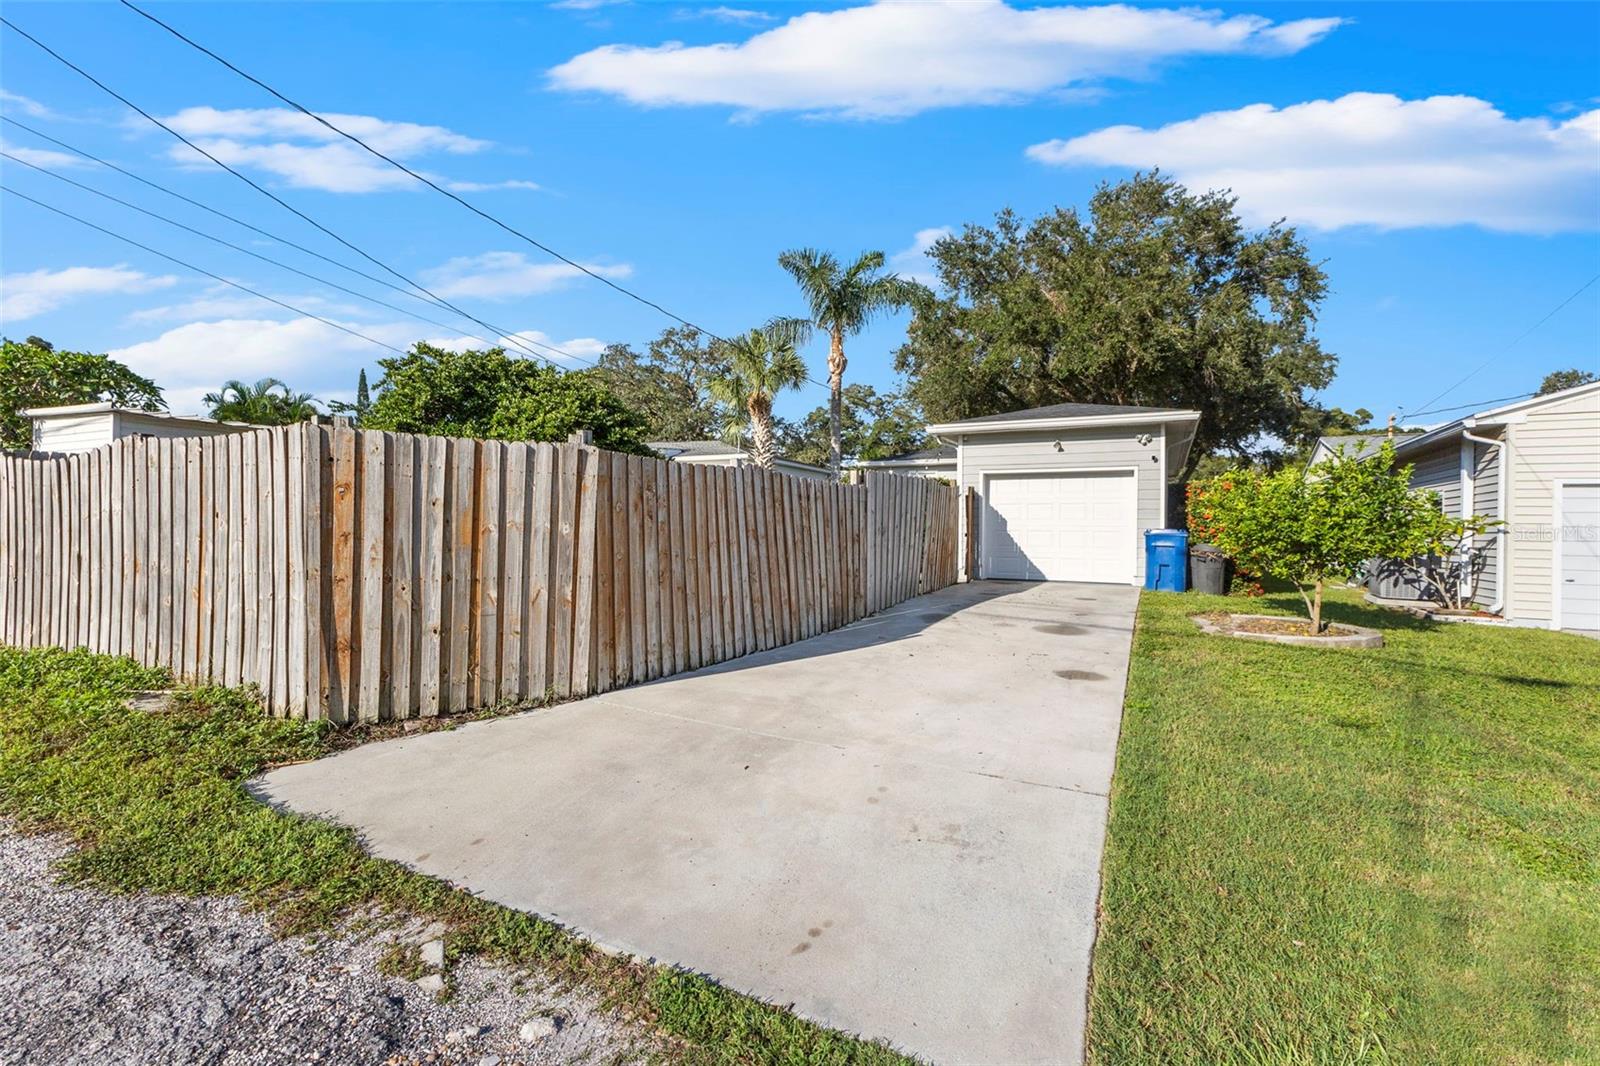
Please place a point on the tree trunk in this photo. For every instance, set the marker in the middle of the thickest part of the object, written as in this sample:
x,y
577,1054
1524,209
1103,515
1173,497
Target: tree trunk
x,y
835,400
760,409
1316,609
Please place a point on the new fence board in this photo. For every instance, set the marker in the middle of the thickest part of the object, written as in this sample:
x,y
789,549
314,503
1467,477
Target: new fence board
x,y
362,575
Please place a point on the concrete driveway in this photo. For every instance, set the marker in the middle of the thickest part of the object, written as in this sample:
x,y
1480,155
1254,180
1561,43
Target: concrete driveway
x,y
895,827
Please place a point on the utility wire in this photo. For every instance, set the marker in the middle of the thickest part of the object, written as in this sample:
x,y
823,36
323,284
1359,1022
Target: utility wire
x,y
420,177
1467,406
200,270
1579,292
52,53
240,248
247,225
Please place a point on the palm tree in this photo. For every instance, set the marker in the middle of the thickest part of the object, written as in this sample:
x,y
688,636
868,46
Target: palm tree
x,y
761,364
843,300
266,403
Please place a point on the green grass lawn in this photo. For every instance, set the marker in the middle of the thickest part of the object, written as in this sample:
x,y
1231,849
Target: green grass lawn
x,y
157,802
1350,856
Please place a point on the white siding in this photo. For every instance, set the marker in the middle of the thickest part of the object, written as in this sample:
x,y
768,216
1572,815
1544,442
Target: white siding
x,y
135,423
1100,448
73,433
1560,442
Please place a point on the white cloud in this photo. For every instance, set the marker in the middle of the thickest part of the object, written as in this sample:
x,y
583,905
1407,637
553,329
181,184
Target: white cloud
x,y
24,296
44,157
507,275
10,101
578,351
223,301
740,15
195,358
912,263
391,138
1372,159
892,59
306,154
490,186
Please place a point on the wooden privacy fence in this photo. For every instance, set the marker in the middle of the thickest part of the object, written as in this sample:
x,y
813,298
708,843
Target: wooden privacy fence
x,y
360,575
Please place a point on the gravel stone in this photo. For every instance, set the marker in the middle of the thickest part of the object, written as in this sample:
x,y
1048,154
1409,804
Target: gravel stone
x,y
136,979
537,1029
433,954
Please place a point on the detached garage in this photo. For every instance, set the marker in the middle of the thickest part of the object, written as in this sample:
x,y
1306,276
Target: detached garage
x,y
1065,493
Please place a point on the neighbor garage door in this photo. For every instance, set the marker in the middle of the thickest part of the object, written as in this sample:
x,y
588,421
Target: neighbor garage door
x,y
1059,527
1578,583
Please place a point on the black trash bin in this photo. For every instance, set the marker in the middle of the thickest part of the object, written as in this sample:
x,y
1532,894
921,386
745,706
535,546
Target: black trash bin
x,y
1208,570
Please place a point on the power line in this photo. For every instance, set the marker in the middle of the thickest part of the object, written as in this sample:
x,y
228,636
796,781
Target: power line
x,y
420,177
241,222
1467,406
1578,292
200,270
102,86
241,248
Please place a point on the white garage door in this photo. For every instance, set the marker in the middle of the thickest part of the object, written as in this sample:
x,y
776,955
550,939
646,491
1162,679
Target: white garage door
x,y
1579,580
1060,527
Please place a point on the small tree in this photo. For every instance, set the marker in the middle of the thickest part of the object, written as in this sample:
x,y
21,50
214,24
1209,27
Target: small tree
x,y
493,395
1326,526
34,374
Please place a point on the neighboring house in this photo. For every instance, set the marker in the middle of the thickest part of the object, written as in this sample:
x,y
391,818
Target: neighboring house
x,y
716,453
1535,465
938,461
1360,444
1065,493
85,426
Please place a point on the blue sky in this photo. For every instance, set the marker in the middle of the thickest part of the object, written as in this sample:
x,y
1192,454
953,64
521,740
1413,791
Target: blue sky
x,y
1444,160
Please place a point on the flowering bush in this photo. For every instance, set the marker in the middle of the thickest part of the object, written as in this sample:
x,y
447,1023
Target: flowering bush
x,y
1310,528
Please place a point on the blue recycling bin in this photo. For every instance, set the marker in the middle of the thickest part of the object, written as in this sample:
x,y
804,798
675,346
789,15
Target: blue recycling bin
x,y
1166,560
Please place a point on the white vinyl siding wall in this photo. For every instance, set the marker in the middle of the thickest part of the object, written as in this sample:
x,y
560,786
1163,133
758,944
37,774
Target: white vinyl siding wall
x,y
1560,442
73,433
1098,448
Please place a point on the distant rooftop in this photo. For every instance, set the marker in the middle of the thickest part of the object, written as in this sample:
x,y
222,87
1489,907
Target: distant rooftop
x,y
941,451
1363,444
695,447
714,449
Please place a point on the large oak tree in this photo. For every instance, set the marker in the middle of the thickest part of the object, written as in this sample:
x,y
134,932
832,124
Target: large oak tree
x,y
1153,296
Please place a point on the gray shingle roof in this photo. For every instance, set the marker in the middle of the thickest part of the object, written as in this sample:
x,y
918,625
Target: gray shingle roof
x,y
695,447
1364,444
1069,410
942,451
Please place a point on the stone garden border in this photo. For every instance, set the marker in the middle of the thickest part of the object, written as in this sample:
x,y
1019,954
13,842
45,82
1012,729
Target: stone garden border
x,y
1342,636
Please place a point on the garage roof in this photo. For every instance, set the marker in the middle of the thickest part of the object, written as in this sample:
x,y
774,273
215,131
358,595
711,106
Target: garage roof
x,y
1063,414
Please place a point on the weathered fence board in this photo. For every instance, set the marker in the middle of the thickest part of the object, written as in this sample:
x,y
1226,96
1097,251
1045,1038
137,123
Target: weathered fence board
x,y
361,576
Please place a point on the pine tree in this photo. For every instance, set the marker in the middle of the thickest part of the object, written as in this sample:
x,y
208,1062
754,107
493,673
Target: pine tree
x,y
363,398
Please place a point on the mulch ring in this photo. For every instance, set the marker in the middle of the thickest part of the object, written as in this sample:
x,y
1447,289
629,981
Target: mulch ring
x,y
1283,629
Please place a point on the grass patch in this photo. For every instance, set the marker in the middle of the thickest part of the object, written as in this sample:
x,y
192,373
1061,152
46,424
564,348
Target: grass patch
x,y
156,802
1352,855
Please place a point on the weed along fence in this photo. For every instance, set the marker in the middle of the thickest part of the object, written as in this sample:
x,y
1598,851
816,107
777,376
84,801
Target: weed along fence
x,y
362,575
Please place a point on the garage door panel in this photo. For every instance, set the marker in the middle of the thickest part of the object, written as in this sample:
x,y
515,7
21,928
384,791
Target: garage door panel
x,y
1067,526
1579,547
